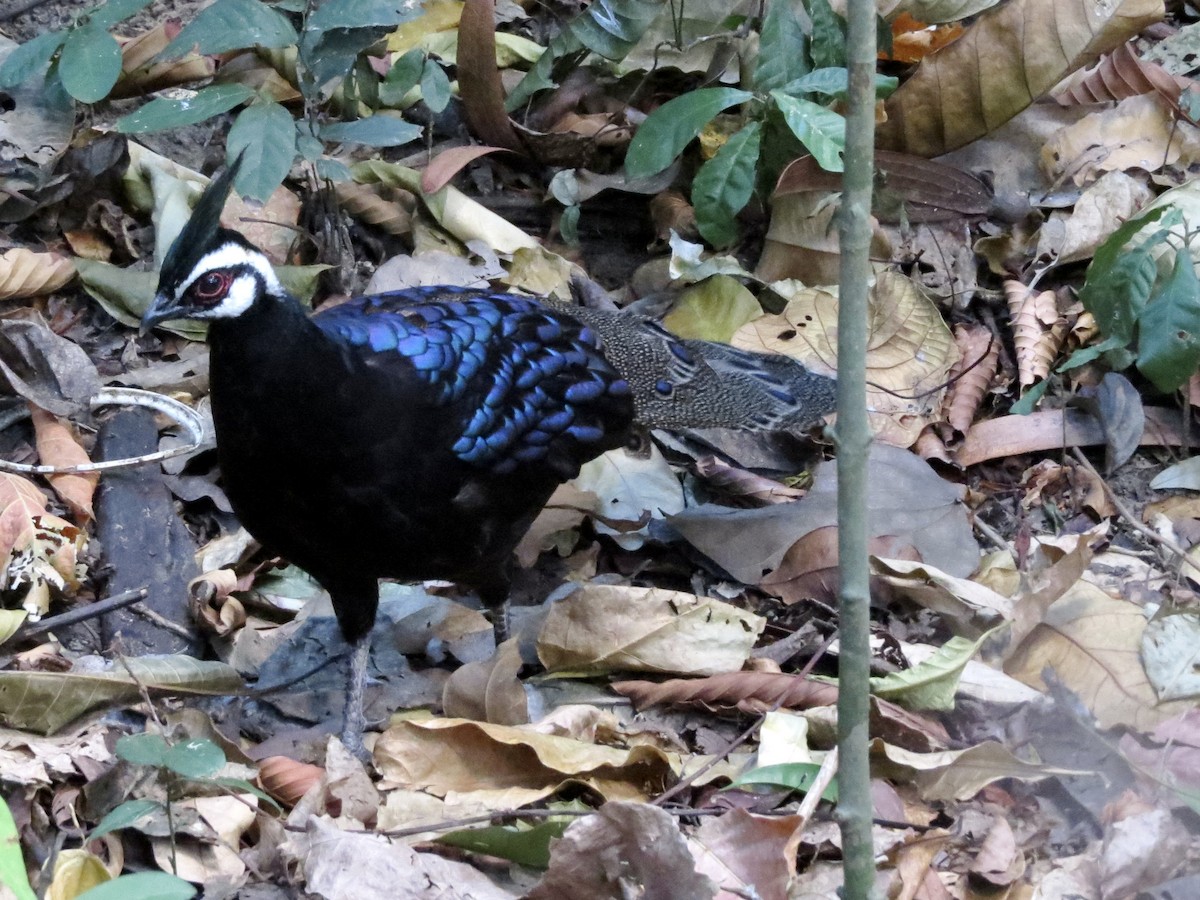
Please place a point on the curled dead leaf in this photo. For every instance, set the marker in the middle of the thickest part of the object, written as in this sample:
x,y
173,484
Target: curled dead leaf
x,y
748,691
24,273
1038,330
979,355
286,779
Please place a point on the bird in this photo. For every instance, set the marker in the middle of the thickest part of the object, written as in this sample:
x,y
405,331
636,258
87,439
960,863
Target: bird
x,y
416,434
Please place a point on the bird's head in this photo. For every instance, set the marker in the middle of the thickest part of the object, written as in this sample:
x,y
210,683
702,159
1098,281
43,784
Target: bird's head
x,y
211,272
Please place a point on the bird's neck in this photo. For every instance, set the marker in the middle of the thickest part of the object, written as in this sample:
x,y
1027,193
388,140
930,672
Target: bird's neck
x,y
263,340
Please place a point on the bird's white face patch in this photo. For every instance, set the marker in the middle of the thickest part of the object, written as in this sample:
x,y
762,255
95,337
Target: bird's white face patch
x,y
225,282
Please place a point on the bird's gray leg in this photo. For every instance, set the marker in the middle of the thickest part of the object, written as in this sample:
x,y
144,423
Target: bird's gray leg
x,y
355,718
500,623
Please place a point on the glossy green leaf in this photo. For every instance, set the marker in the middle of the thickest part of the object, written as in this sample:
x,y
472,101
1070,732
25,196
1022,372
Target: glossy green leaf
x,y
435,86
782,48
828,46
1119,280
524,846
27,60
266,134
143,749
233,25
820,130
351,14
610,28
13,874
794,776
568,224
110,12
327,56
376,131
401,78
195,758
724,184
670,128
160,114
1168,351
123,816
141,886
835,83
90,63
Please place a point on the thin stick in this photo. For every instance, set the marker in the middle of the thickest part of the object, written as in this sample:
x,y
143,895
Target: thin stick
x,y
82,613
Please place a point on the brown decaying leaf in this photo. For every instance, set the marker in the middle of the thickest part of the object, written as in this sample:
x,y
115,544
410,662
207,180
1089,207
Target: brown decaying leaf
x,y
979,357
671,211
448,163
755,855
1118,75
24,273
912,41
1011,55
58,446
753,692
743,484
1038,330
286,779
488,690
140,74
384,206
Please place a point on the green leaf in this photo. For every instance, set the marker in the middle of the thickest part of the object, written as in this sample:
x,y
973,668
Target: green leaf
x,y
670,128
266,132
401,78
332,170
1169,328
931,684
783,47
233,25
377,131
160,114
524,846
327,56
351,14
610,28
820,130
13,874
1119,281
11,621
724,185
110,12
195,758
828,35
27,60
835,83
141,886
1029,400
1085,355
241,786
143,749
568,224
435,87
90,63
124,816
794,776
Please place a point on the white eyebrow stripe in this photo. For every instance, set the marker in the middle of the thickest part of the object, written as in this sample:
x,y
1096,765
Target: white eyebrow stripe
x,y
230,255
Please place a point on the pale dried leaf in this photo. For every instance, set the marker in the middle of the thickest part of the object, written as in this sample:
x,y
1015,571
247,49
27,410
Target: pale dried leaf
x,y
57,445
24,273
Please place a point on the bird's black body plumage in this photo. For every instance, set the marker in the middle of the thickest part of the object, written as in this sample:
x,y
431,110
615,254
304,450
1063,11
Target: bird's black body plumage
x,y
416,434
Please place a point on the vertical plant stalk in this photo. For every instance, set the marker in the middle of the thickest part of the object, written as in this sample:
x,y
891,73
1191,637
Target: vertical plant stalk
x,y
852,435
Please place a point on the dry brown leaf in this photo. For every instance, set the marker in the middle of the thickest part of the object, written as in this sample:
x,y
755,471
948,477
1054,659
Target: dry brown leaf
x,y
809,570
738,483
605,627
287,780
747,691
24,273
910,351
58,446
141,74
1118,75
971,377
802,240
507,767
1093,644
623,850
488,690
754,855
448,163
271,226
1000,861
37,549
1038,330
1006,59
671,211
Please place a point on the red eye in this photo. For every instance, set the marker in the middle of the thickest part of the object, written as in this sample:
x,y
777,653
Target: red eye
x,y
211,285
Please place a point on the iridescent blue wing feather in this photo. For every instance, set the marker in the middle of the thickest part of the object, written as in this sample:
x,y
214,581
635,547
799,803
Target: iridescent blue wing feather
x,y
532,384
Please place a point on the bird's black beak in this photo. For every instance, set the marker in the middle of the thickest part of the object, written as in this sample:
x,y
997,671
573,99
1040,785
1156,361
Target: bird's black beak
x,y
162,309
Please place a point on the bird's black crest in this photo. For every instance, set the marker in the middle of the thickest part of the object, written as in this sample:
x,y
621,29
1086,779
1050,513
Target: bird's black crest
x,y
201,230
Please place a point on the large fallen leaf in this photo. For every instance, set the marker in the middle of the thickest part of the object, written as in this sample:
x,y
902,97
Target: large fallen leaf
x,y
748,854
24,273
1093,644
971,605
905,499
910,350
604,628
1008,58
623,850
44,702
488,690
510,766
342,866
957,774
57,445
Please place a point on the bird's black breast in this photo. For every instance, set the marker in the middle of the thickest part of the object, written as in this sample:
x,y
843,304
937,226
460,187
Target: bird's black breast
x,y
410,435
